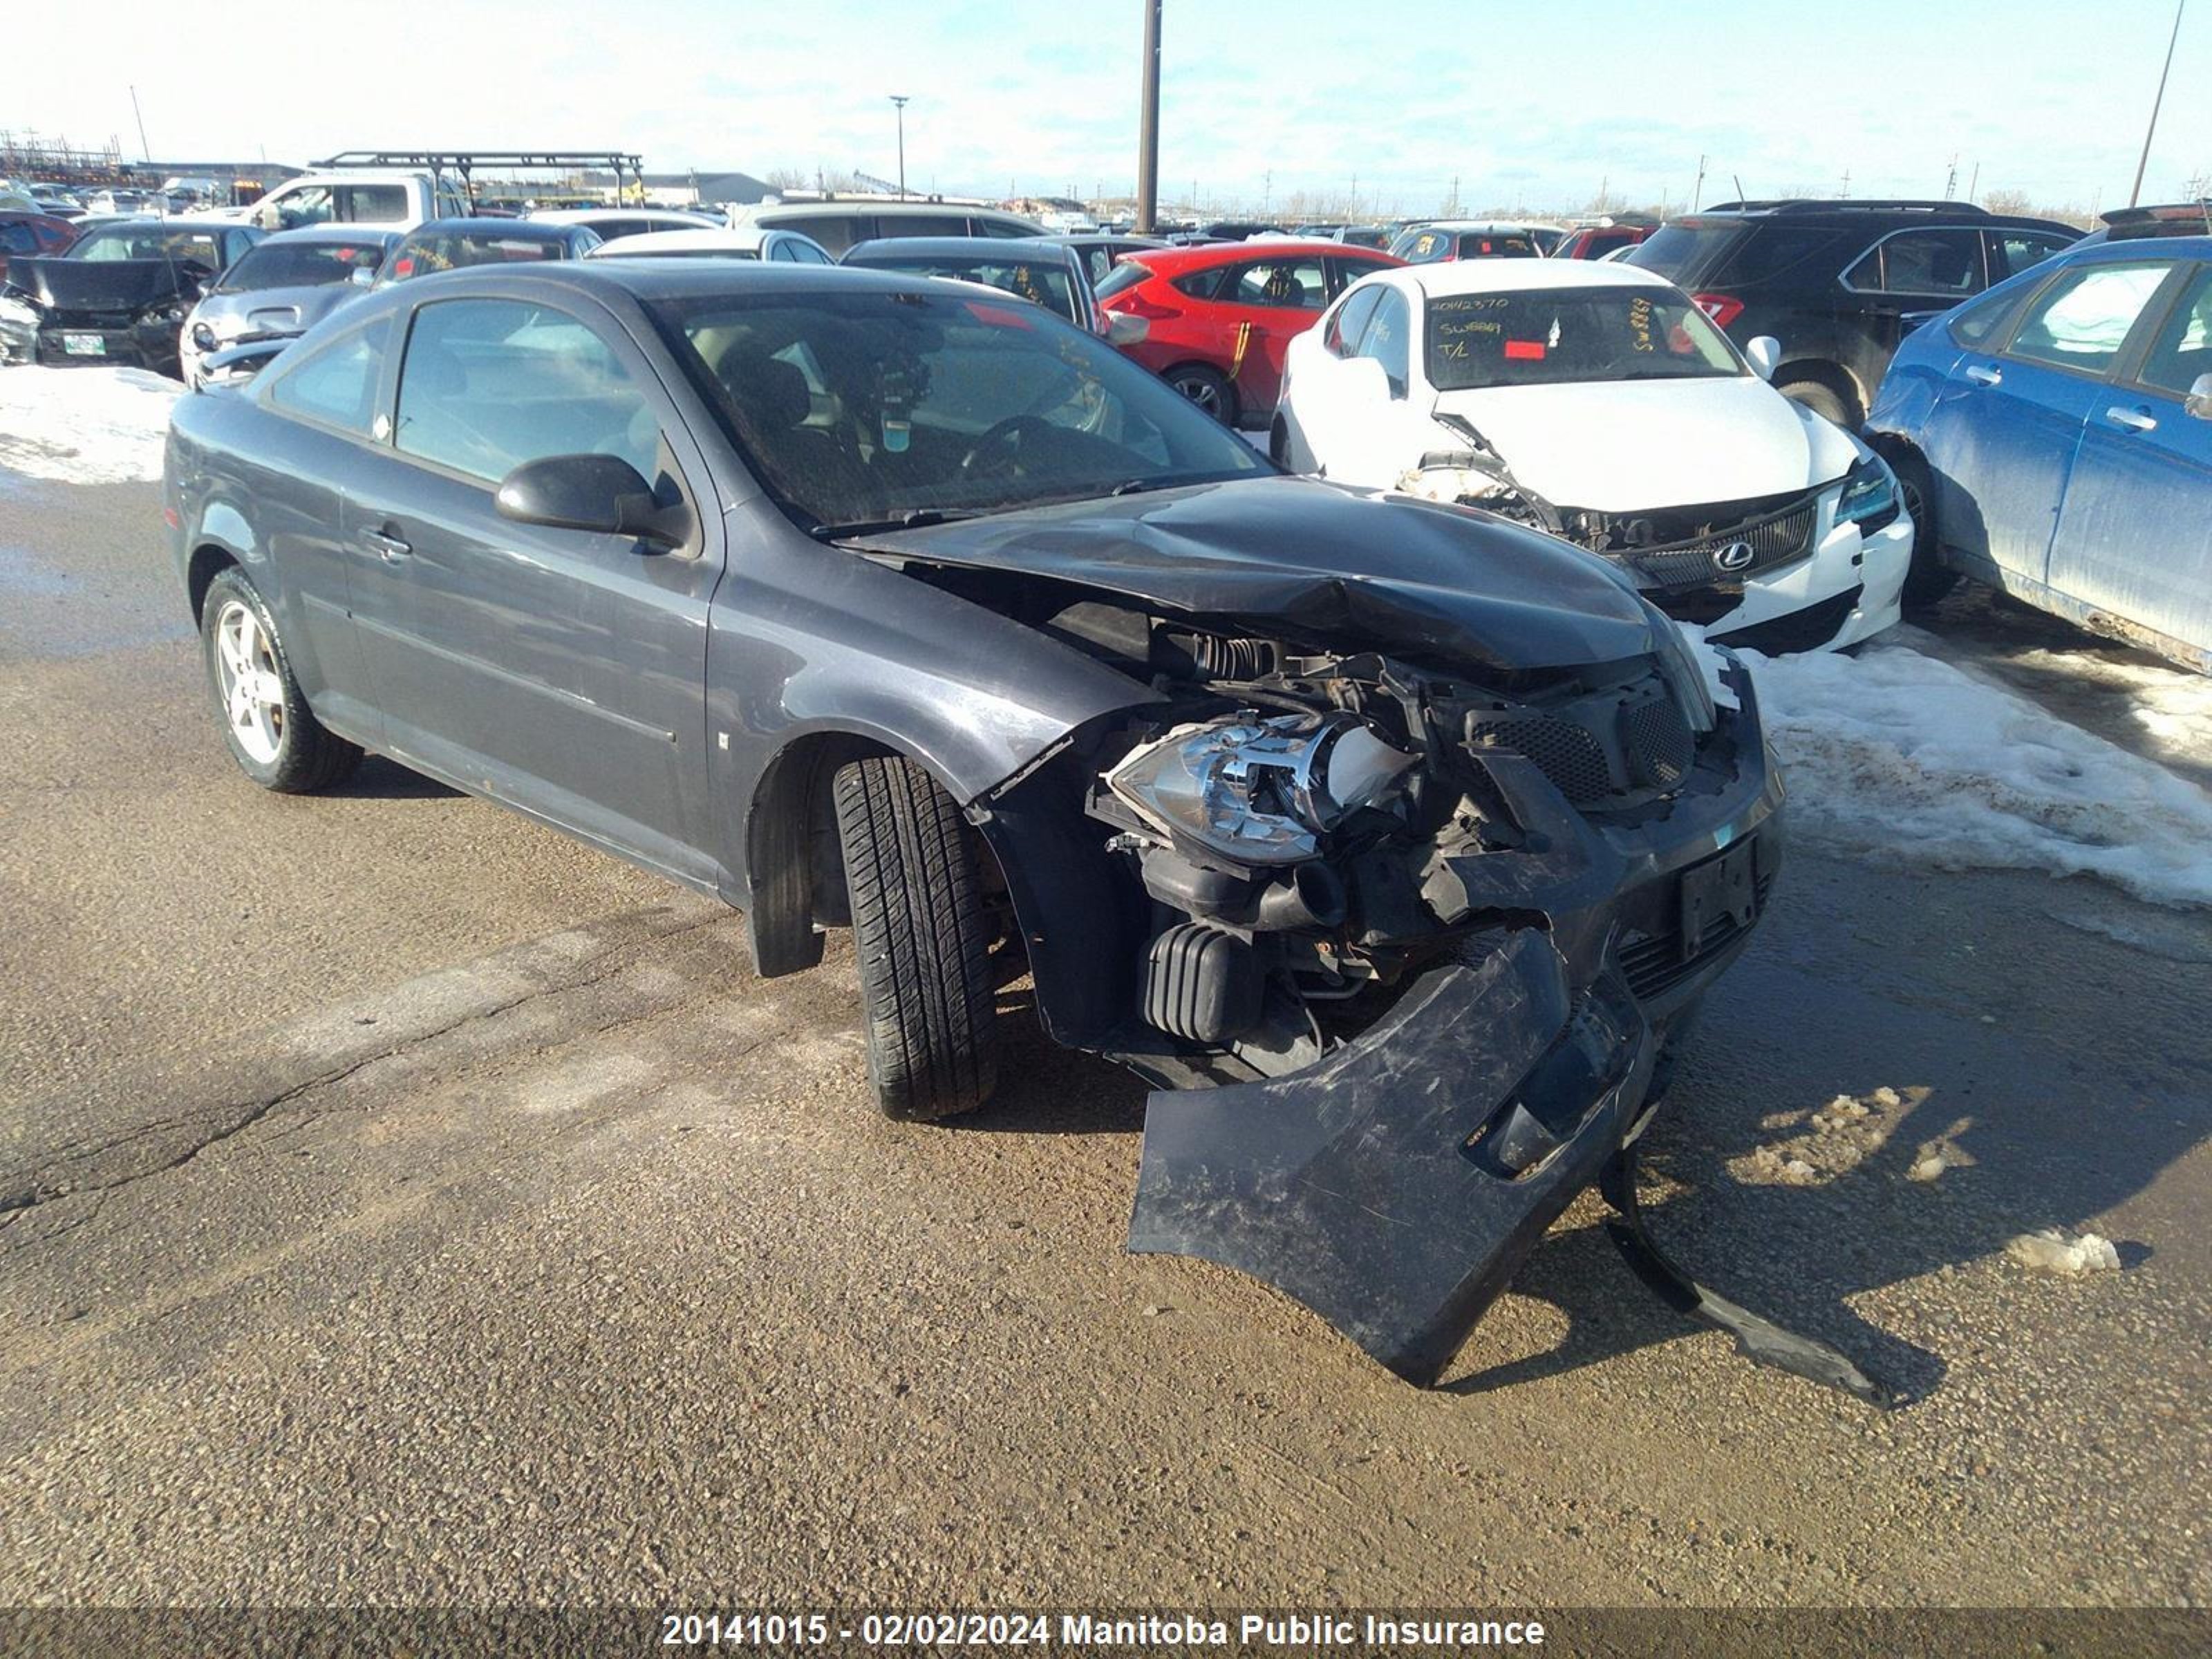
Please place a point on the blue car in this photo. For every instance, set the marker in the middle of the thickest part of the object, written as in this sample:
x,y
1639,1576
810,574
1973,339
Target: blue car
x,y
2054,439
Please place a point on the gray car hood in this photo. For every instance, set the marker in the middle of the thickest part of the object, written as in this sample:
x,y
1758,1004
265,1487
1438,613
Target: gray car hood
x,y
1332,567
261,313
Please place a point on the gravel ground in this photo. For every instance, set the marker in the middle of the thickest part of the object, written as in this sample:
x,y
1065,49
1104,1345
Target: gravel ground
x,y
407,1206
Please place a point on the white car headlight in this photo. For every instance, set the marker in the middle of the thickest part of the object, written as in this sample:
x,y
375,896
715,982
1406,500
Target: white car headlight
x,y
1260,791
1869,498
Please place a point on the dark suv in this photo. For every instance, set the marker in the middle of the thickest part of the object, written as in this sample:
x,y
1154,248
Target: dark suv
x,y
1832,281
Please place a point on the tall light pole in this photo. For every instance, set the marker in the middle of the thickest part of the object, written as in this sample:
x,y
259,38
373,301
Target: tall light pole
x,y
2151,129
1148,126
898,102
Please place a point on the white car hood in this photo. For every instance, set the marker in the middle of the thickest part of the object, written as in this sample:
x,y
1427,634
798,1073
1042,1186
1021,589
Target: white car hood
x,y
1632,446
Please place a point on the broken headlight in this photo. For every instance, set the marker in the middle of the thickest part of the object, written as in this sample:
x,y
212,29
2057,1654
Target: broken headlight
x,y
1869,497
1259,792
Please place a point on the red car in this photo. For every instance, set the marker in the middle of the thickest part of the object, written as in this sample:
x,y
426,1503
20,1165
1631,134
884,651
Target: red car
x,y
1595,241
34,235
1219,318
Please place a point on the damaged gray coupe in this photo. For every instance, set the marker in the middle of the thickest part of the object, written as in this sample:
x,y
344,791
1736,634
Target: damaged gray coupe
x,y
1394,843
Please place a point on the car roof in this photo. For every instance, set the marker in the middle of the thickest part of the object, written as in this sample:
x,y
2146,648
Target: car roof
x,y
2140,247
946,248
584,216
891,204
526,229
1482,224
172,222
1846,213
749,239
1171,260
334,234
1522,275
685,279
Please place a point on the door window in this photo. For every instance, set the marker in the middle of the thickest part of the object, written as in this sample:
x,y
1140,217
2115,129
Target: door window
x,y
2182,349
835,231
2083,320
490,384
1921,262
1352,317
1281,284
371,204
336,383
1389,339
2019,250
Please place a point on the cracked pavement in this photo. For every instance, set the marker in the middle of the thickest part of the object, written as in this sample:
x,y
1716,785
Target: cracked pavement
x,y
401,1204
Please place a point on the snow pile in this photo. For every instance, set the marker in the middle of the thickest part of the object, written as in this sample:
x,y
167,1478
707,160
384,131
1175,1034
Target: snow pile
x,y
1896,754
84,425
2051,1252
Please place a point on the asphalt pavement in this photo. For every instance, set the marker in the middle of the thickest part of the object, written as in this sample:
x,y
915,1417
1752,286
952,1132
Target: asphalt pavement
x,y
400,1203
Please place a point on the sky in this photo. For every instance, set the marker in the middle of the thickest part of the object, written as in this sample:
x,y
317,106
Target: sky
x,y
1523,104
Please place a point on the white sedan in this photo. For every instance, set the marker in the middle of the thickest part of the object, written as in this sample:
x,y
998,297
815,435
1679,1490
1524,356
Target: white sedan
x,y
752,242
1597,402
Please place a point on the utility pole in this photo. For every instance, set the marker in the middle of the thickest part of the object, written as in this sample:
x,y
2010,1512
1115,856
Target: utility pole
x,y
1697,190
2149,131
898,102
146,150
1148,125
1974,182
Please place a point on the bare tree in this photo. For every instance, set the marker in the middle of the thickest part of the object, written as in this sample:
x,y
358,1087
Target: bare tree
x,y
2008,201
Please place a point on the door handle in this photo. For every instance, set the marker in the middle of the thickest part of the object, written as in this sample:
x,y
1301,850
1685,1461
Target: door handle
x,y
1983,374
2134,419
390,548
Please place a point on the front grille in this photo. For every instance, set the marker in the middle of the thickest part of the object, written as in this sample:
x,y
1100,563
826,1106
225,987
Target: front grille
x,y
1654,964
1658,743
1777,538
1562,751
1801,630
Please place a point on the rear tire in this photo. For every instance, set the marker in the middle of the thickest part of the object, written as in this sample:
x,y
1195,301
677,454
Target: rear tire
x,y
1928,579
1208,388
273,735
1824,399
923,929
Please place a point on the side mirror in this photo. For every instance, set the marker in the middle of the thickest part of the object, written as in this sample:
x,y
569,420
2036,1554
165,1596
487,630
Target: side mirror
x,y
269,215
363,276
2199,400
1125,329
599,493
237,364
1365,378
1764,354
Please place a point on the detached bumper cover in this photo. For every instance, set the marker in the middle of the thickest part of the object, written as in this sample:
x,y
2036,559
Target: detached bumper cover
x,y
1395,1187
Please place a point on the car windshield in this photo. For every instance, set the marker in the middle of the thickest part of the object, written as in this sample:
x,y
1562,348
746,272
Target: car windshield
x,y
1548,336
868,408
299,265
451,249
1041,284
150,242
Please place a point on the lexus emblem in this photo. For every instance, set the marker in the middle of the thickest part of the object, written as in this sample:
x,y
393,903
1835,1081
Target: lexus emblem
x,y
1734,556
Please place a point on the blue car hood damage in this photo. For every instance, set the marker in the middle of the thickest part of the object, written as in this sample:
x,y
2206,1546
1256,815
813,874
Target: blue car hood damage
x,y
1342,570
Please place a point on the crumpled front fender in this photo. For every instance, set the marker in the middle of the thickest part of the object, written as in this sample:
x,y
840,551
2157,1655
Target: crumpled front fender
x,y
1395,1186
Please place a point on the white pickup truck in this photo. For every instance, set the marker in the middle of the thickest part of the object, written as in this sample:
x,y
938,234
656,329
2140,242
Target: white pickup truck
x,y
394,197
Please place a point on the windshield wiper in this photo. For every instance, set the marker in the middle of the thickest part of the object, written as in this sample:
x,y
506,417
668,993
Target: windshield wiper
x,y
914,518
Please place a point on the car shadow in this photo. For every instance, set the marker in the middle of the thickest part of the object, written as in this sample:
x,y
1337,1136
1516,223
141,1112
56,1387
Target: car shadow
x,y
381,778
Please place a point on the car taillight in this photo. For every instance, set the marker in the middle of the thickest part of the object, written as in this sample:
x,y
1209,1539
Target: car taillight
x,y
1723,308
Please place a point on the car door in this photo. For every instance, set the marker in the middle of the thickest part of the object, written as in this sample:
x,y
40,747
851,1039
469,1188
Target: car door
x,y
2001,438
562,671
326,398
1928,269
2135,533
1277,299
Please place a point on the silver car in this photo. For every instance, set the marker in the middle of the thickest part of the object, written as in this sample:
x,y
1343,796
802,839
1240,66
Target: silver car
x,y
286,284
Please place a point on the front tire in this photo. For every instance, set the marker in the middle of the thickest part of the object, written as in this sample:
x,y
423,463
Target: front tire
x,y
1928,579
923,928
273,735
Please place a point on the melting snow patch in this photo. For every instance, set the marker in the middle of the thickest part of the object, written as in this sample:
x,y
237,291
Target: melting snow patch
x,y
1896,756
84,425
2051,1252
